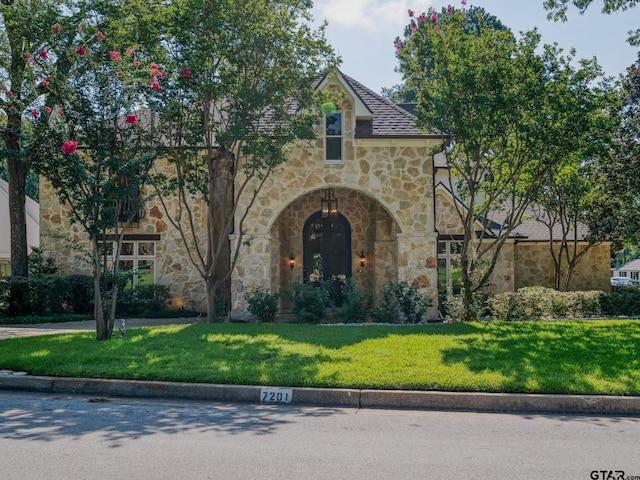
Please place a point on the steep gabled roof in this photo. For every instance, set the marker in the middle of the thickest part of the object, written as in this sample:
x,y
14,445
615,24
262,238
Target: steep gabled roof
x,y
385,119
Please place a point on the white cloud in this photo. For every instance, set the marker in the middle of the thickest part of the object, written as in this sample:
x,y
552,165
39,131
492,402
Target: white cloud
x,y
368,14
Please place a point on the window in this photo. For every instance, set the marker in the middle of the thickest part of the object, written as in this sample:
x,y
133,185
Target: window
x,y
5,268
137,258
635,275
449,265
333,139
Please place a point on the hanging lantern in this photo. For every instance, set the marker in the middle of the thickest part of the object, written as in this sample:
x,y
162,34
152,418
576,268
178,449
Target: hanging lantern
x,y
329,204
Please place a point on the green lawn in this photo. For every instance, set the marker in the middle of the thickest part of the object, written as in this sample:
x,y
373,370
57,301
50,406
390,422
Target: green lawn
x,y
596,357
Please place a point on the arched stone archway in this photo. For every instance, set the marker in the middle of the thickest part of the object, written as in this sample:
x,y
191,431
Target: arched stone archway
x,y
373,233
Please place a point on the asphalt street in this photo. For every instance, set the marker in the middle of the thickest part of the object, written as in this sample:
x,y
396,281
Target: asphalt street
x,y
82,437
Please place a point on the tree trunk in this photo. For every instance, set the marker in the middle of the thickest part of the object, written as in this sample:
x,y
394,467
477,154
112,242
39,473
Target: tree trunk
x,y
104,327
211,300
17,172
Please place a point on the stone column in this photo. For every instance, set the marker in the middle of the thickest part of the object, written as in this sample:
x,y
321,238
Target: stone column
x,y
253,270
418,264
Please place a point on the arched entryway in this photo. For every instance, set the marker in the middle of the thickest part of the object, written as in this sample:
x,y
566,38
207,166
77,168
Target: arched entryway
x,y
326,248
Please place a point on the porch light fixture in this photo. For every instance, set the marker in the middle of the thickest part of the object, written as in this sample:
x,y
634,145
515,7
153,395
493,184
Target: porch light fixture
x,y
292,261
362,258
329,204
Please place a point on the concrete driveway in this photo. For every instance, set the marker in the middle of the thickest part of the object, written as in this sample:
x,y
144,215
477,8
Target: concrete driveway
x,y
15,330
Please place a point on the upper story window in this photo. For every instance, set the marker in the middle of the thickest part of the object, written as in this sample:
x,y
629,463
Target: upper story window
x,y
333,138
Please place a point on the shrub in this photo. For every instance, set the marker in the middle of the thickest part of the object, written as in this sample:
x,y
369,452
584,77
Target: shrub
x,y
310,302
144,299
48,294
263,304
401,302
534,303
355,304
81,294
621,301
41,264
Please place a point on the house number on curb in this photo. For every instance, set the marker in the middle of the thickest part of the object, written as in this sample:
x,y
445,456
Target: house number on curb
x,y
276,395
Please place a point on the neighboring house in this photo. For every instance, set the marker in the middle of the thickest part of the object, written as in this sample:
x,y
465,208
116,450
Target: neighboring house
x,y
364,200
33,227
628,270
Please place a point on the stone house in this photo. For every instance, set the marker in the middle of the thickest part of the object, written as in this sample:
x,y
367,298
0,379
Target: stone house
x,y
364,200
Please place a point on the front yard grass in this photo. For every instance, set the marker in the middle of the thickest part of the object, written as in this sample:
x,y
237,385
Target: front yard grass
x,y
569,357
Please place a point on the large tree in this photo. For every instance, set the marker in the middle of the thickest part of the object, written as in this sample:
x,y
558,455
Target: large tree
x,y
507,114
25,67
623,171
574,201
95,143
244,92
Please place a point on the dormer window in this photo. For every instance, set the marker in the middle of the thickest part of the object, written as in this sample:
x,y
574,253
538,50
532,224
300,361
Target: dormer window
x,y
333,138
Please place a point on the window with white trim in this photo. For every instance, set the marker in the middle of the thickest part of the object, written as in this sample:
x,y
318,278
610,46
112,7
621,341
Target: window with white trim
x,y
137,257
5,268
449,265
635,275
333,138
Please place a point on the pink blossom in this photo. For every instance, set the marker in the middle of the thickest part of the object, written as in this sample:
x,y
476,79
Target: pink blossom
x,y
115,55
101,36
398,46
47,109
9,93
131,119
437,28
80,50
136,63
56,28
155,85
45,83
410,12
43,54
185,73
131,52
154,66
120,73
69,147
414,27
422,18
464,2
449,9
434,17
35,113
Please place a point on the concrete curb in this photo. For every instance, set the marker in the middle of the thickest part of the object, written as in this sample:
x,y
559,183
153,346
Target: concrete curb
x,y
332,397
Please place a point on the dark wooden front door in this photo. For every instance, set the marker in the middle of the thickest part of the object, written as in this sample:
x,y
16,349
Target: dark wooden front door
x,y
326,248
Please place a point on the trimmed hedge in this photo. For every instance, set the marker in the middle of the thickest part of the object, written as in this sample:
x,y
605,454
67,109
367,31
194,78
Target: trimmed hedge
x,y
51,295
539,303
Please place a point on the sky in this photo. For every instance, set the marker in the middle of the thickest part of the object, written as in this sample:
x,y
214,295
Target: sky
x,y
363,32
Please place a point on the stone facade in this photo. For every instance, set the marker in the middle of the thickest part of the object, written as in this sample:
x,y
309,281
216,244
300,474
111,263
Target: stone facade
x,y
385,189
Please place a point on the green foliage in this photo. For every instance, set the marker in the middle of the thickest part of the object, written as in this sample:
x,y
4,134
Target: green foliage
x,y
310,302
621,301
143,300
39,319
400,302
36,295
263,304
46,295
510,113
539,303
356,304
40,264
81,296
232,65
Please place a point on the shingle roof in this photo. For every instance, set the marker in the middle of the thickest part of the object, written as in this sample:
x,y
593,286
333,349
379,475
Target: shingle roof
x,y
387,118
633,265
